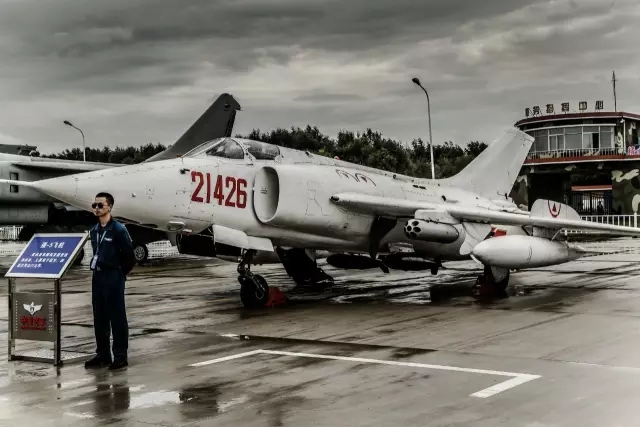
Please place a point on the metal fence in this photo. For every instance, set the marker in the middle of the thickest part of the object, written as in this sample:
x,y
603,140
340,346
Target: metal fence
x,y
10,233
591,203
575,152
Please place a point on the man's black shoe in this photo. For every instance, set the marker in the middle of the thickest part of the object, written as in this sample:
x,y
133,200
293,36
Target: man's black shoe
x,y
118,364
97,362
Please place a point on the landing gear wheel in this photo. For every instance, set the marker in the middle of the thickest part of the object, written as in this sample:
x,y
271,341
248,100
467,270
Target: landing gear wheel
x,y
254,291
498,277
141,252
494,281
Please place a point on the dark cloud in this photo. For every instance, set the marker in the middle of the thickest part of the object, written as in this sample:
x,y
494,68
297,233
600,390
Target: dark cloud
x,y
134,71
231,32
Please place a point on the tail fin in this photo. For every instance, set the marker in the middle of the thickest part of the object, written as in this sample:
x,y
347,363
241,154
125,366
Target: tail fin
x,y
494,172
543,208
216,122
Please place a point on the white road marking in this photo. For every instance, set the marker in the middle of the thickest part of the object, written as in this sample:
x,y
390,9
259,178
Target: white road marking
x,y
224,359
516,378
505,385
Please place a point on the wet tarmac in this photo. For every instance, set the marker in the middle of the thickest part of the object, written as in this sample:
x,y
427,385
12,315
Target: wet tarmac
x,y
562,348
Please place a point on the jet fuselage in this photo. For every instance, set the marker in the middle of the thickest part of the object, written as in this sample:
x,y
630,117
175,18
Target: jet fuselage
x,y
285,201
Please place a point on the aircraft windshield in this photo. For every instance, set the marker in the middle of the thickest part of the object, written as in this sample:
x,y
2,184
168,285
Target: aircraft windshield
x,y
228,148
203,147
261,150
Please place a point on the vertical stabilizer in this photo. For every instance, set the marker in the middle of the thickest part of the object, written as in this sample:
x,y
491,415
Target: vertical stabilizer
x,y
216,122
493,173
544,208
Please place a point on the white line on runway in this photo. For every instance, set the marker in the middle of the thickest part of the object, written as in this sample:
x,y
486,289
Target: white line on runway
x,y
224,359
517,378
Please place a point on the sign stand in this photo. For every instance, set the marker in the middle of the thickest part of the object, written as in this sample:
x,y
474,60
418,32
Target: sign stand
x,y
36,315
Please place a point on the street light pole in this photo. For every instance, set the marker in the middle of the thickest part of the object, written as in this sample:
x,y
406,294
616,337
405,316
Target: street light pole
x,y
416,81
84,148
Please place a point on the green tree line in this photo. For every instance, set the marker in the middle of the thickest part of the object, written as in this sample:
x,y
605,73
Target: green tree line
x,y
368,148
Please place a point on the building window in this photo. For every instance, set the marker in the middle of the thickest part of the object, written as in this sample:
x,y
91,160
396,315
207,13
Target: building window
x,y
541,140
13,176
591,137
606,137
556,139
573,138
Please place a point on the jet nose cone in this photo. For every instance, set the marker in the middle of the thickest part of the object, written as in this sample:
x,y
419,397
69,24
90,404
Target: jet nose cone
x,y
63,188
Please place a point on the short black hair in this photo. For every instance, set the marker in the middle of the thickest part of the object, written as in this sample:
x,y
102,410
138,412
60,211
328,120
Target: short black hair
x,y
107,196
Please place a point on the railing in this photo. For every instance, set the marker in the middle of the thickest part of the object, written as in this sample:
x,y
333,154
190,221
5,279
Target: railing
x,y
575,152
10,233
623,220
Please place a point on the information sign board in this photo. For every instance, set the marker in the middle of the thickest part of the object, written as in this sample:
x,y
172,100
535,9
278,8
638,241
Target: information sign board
x,y
36,316
47,256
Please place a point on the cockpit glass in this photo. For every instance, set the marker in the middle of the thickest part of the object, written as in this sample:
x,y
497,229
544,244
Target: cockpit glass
x,y
228,148
262,150
203,147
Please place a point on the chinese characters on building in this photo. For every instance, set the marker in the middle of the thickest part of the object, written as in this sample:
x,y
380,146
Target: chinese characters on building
x,y
565,107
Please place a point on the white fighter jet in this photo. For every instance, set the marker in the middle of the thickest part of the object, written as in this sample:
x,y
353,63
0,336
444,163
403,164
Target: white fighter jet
x,y
252,200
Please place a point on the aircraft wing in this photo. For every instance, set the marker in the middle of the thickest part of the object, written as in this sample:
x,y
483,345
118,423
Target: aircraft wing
x,y
570,220
53,165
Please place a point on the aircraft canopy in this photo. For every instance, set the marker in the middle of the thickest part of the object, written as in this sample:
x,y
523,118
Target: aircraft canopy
x,y
236,148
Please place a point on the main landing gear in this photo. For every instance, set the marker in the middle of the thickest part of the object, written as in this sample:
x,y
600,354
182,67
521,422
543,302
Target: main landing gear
x,y
303,270
493,281
254,290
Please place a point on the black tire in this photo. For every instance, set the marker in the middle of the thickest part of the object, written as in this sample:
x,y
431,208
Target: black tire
x,y
499,281
254,291
141,252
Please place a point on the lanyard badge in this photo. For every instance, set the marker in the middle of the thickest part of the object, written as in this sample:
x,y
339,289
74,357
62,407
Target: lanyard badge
x,y
94,259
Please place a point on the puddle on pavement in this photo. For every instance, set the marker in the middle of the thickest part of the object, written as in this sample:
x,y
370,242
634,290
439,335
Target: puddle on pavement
x,y
194,402
155,398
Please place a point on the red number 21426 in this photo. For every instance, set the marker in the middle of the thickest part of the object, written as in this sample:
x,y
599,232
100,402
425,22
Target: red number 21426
x,y
235,188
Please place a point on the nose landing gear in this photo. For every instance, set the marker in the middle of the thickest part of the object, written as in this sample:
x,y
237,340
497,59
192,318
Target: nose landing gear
x,y
254,290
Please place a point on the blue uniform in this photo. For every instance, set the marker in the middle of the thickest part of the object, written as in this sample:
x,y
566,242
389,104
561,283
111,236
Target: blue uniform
x,y
114,260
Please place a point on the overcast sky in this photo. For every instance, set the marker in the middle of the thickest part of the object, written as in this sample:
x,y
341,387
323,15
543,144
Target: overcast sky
x,y
128,72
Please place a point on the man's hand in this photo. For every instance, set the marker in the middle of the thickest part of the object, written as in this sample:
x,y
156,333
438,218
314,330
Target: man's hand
x,y
127,257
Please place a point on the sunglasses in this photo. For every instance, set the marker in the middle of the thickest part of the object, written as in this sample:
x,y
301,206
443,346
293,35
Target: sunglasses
x,y
98,205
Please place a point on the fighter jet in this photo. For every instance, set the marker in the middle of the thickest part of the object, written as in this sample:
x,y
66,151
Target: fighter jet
x,y
39,212
255,201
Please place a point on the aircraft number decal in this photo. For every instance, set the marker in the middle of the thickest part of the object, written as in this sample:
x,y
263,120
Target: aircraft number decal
x,y
236,197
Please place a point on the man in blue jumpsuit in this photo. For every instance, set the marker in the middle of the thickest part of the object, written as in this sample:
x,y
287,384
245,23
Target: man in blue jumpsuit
x,y
113,260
